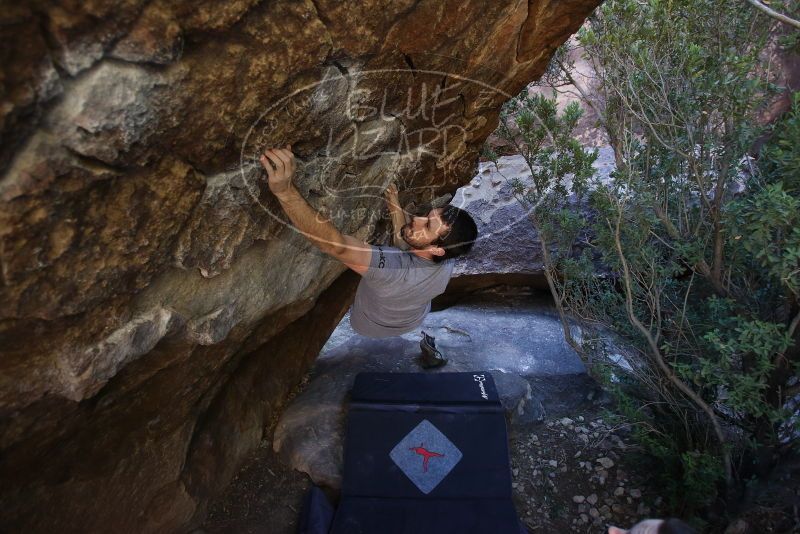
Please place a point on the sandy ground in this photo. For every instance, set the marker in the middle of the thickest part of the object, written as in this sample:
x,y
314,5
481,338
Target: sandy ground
x,y
573,473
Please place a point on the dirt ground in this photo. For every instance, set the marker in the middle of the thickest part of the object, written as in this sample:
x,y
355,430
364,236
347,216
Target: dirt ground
x,y
572,473
264,498
577,473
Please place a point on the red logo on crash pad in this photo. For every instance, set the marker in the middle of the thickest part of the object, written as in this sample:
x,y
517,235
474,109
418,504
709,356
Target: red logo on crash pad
x,y
426,455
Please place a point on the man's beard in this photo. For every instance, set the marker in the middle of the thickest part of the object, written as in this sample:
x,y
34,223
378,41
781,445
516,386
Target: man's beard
x,y
405,230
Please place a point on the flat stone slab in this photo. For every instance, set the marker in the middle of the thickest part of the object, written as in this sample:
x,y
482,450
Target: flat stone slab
x,y
519,340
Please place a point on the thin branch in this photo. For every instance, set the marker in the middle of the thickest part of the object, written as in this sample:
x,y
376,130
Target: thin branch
x,y
793,325
774,14
656,352
584,95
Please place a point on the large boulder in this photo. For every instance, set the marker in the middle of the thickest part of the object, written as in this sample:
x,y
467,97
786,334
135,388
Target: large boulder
x,y
156,309
508,251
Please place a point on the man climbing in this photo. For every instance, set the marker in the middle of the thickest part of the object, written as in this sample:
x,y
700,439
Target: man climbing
x,y
396,287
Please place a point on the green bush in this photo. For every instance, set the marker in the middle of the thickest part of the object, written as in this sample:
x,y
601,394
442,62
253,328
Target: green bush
x,y
701,240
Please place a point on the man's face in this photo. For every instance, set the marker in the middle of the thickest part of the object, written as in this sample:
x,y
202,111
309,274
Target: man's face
x,y
423,231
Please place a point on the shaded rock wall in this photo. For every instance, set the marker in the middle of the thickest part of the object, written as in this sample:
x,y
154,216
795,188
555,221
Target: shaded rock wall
x,y
155,308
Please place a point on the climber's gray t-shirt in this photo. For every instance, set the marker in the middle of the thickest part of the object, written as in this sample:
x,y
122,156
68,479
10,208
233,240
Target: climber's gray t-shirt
x,y
394,294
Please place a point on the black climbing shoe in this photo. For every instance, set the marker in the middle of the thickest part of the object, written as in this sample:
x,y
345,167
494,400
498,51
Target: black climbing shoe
x,y
431,356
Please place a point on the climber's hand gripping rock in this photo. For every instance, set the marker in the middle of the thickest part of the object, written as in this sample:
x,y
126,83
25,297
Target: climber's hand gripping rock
x,y
279,178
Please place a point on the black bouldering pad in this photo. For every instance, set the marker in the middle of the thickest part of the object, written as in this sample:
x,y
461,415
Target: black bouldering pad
x,y
426,453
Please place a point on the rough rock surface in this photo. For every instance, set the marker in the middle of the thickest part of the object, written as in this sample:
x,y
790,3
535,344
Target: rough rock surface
x,y
508,251
514,338
155,307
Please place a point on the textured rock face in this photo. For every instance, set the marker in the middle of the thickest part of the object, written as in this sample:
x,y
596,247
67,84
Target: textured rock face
x,y
155,309
508,251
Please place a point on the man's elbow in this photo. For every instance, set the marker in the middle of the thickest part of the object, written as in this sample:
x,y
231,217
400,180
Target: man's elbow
x,y
335,246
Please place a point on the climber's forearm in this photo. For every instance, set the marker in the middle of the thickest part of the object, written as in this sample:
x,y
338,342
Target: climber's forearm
x,y
398,217
320,231
398,221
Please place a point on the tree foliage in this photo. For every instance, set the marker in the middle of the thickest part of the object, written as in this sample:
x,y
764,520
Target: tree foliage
x,y
702,237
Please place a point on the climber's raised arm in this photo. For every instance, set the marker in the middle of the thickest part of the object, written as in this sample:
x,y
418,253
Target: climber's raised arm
x,y
399,216
351,251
